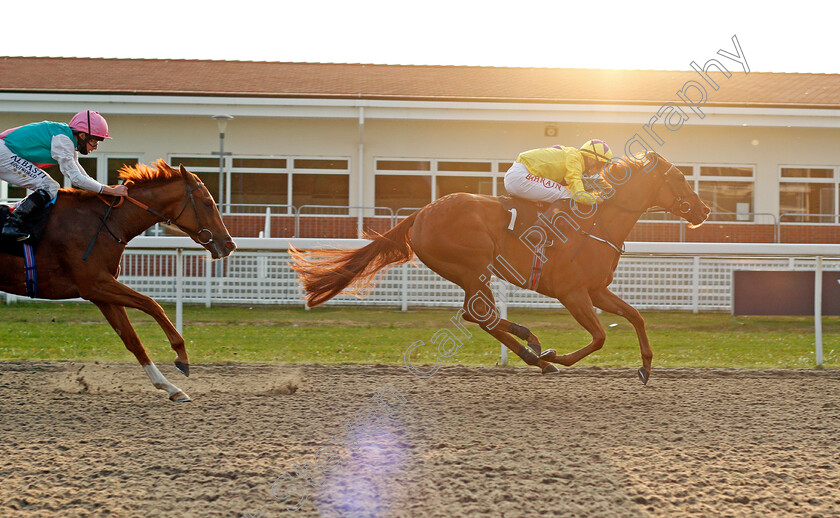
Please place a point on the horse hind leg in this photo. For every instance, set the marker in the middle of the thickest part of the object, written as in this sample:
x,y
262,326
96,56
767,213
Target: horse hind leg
x,y
480,308
118,319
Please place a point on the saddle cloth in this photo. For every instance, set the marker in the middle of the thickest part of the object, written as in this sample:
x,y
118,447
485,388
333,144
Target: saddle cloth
x,y
523,213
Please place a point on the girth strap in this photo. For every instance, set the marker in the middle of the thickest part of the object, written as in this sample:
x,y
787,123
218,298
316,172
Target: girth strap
x,y
536,268
30,271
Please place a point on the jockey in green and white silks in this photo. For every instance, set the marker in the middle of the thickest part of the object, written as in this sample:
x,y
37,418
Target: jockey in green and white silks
x,y
26,149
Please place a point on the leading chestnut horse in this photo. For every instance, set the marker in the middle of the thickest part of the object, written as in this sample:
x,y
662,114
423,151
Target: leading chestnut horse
x,y
65,271
465,238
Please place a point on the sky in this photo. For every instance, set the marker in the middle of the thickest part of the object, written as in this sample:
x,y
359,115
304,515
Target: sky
x,y
799,36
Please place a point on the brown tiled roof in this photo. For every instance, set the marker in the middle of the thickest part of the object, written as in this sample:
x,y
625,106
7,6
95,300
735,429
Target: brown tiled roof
x,y
401,82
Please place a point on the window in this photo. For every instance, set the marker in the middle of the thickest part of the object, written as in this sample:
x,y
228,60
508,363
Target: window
x,y
257,189
114,165
253,182
808,194
320,181
320,189
405,191
728,191
452,184
412,183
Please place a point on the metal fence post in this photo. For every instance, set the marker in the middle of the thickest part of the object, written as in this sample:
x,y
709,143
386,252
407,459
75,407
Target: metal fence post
x,y
404,287
503,292
818,342
695,288
179,290
208,279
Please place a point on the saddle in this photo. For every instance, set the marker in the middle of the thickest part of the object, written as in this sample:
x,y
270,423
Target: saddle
x,y
35,228
525,214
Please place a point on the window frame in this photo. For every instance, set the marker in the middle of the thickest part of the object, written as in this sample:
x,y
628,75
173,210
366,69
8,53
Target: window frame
x,y
228,169
496,171
834,181
695,178
100,176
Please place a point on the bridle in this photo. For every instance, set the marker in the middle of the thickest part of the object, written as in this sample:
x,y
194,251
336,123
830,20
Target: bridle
x,y
678,207
680,204
196,234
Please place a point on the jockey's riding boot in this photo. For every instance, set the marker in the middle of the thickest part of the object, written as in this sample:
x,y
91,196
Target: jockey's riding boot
x,y
23,213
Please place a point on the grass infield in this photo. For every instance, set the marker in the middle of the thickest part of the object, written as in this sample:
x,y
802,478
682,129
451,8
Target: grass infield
x,y
330,335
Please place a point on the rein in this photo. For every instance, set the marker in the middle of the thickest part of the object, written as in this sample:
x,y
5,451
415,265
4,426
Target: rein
x,y
196,234
169,221
684,208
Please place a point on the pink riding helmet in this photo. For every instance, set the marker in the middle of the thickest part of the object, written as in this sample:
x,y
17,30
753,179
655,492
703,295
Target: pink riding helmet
x,y
91,123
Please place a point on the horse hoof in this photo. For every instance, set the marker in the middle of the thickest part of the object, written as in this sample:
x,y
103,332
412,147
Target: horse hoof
x,y
550,369
180,397
183,367
644,375
537,348
549,355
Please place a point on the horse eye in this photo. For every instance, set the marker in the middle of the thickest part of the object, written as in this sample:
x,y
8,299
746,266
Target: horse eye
x,y
208,202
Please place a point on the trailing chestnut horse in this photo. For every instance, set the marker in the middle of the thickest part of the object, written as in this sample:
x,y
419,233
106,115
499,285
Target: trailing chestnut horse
x,y
465,238
65,271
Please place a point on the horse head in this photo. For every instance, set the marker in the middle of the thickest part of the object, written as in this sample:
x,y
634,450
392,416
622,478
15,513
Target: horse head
x,y
675,195
201,220
658,184
189,206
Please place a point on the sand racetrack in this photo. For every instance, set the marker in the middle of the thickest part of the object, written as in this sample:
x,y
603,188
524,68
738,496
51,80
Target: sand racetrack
x,y
98,440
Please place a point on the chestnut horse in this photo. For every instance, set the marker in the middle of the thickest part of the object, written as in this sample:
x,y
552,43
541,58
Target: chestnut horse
x,y
65,271
465,238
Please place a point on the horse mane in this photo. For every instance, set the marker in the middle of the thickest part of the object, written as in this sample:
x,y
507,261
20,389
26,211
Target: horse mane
x,y
137,174
141,173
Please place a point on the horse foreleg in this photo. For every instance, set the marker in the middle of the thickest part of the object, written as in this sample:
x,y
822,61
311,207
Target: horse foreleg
x,y
118,319
579,305
480,309
611,303
112,291
521,332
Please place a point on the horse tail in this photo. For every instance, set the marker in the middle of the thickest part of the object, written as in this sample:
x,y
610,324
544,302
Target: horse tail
x,y
326,273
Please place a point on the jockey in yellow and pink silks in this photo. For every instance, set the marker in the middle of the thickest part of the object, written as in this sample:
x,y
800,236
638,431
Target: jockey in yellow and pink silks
x,y
554,173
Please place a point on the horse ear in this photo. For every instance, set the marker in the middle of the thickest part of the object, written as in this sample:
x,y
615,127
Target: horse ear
x,y
188,176
652,161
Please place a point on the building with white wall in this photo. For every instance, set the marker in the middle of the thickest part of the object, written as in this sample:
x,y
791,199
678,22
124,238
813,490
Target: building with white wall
x,y
759,148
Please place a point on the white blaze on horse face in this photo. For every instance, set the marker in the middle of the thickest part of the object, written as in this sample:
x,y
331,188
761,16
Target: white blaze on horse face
x,y
159,380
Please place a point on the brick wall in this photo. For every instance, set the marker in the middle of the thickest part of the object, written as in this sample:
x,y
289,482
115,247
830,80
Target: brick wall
x,y
310,226
346,227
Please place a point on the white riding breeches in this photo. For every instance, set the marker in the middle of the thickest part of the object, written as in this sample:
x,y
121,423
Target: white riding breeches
x,y
520,182
23,173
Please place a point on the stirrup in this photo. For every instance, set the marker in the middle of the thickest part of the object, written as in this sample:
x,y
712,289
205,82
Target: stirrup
x,y
14,233
549,242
